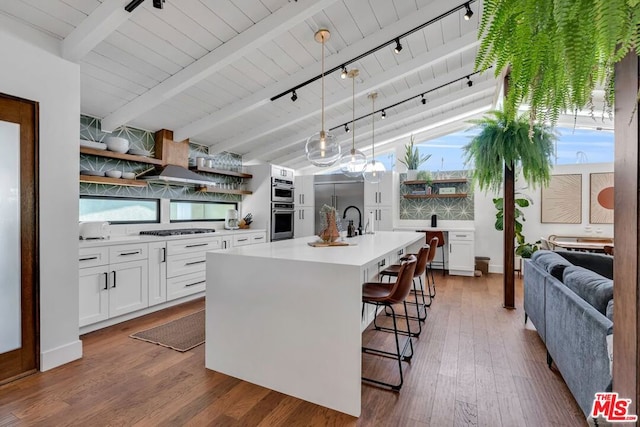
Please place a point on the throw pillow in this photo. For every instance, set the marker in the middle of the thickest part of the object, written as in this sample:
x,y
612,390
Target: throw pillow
x,y
551,262
591,287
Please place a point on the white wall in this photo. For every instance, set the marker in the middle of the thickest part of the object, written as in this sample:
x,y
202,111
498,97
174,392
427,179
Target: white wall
x,y
489,241
32,73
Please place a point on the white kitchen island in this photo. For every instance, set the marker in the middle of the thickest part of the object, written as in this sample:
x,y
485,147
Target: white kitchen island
x,y
287,316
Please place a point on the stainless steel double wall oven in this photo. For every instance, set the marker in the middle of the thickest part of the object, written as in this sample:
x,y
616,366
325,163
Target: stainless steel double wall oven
x,y
282,209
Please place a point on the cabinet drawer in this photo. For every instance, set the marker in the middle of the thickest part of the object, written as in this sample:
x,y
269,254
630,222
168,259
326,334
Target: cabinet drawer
x,y
91,257
460,235
124,253
185,285
258,238
241,240
186,246
186,263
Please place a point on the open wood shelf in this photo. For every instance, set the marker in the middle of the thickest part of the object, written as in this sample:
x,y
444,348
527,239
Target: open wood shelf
x,y
438,181
112,181
120,156
223,190
435,196
220,171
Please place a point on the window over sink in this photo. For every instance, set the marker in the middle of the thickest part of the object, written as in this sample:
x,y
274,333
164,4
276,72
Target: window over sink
x,y
119,210
182,210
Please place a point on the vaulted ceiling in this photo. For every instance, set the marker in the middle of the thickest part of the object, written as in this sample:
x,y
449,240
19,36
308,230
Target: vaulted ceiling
x,y
207,69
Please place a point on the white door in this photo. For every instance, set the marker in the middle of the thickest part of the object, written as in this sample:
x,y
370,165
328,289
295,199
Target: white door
x,y
129,287
94,295
304,222
157,273
461,255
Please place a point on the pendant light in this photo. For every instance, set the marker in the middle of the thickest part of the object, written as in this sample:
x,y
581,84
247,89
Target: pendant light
x,y
374,171
322,148
353,163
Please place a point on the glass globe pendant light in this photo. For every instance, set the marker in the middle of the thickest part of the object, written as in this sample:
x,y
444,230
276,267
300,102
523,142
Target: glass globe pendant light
x,y
353,163
322,148
374,171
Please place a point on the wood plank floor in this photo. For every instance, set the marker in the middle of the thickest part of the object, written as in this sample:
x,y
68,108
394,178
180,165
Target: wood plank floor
x,y
475,364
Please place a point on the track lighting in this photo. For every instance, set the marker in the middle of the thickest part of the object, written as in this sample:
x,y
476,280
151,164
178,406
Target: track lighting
x,y
383,115
398,47
294,96
346,128
343,74
469,13
423,100
469,81
158,4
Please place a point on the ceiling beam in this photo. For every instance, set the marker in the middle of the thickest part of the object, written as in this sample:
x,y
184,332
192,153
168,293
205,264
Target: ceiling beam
x,y
363,90
392,122
262,97
264,31
96,27
466,42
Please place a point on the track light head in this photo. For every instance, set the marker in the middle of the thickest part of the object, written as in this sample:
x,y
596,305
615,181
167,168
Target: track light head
x,y
346,128
469,13
344,73
132,5
294,96
383,115
423,99
158,4
469,81
398,47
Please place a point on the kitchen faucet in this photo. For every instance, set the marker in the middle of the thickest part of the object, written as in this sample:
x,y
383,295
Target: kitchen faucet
x,y
344,215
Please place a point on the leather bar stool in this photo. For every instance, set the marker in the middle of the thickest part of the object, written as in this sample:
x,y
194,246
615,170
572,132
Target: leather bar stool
x,y
378,293
440,236
433,244
392,271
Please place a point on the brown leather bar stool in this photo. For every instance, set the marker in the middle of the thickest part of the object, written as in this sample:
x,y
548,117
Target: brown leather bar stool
x,y
421,265
387,295
440,236
433,244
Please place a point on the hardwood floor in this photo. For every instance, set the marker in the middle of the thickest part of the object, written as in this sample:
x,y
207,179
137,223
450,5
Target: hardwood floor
x,y
475,364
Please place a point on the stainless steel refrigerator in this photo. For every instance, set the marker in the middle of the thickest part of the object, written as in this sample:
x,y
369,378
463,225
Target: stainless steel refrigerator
x,y
340,192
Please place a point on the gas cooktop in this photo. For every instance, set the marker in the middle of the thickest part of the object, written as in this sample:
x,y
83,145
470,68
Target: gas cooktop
x,y
176,231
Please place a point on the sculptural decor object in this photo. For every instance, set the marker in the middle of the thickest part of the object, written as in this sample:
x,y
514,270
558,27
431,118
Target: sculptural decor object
x,y
330,232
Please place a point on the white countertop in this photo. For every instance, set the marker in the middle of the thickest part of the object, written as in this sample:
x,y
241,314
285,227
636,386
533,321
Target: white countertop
x,y
136,238
445,229
362,249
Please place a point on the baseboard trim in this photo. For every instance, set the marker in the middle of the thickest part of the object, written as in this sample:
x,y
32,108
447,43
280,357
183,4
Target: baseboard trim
x,y
60,355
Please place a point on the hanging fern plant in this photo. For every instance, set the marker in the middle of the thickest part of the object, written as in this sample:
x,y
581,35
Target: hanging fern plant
x,y
511,142
557,51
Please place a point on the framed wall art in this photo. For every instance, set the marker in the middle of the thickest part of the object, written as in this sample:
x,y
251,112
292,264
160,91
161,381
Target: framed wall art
x,y
601,198
561,200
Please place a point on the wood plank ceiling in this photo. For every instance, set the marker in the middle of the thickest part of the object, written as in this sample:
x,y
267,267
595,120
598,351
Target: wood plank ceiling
x,y
207,69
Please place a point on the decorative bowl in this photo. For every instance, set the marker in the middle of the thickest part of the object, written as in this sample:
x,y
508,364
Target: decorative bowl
x,y
117,144
114,174
128,175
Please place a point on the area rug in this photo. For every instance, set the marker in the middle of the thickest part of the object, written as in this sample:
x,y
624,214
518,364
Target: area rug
x,y
181,334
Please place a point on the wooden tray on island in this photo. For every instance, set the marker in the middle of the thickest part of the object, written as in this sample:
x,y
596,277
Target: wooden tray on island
x,y
327,244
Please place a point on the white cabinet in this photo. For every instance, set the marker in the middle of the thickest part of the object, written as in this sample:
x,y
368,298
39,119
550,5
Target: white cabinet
x,y
380,194
303,225
259,237
304,191
226,242
282,172
157,273
118,286
382,217
461,253
186,265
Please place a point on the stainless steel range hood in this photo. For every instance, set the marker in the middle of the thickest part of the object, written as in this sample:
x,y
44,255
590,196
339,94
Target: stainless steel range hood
x,y
172,174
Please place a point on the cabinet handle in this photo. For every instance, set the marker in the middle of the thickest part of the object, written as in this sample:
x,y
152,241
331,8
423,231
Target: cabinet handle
x,y
106,281
302,210
129,253
242,240
164,255
114,279
380,197
303,199
196,245
88,258
195,262
258,238
449,247
401,251
379,214
382,263
197,283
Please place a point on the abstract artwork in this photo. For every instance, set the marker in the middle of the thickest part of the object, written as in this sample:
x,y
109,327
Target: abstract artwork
x,y
561,201
601,198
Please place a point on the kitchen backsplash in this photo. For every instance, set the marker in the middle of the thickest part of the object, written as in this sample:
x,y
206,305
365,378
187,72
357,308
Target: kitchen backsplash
x,y
445,208
144,140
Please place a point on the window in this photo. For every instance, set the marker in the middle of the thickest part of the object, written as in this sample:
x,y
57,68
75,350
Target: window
x,y
119,210
200,211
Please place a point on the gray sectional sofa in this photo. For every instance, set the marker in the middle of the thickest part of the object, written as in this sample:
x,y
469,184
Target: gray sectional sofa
x,y
568,296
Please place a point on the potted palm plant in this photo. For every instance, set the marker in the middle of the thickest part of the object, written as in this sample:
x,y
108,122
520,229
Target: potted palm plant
x,y
412,159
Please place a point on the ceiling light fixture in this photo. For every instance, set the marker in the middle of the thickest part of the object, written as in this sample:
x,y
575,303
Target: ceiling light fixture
x,y
469,81
374,171
398,47
383,115
469,13
158,4
294,96
346,128
353,163
423,100
396,40
322,148
344,73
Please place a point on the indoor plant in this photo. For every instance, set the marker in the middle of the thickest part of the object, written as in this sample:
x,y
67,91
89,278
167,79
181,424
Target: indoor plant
x,y
413,159
523,249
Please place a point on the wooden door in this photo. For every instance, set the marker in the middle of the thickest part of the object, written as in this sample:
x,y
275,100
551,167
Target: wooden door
x,y
19,340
